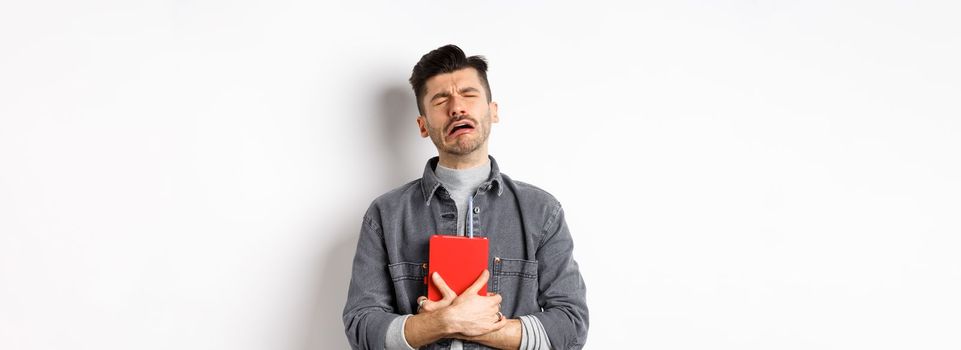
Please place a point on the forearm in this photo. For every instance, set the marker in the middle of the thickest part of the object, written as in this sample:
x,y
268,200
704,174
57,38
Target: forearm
x,y
508,337
423,329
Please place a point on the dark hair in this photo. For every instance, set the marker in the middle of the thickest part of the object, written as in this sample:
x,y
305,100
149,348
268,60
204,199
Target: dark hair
x,y
445,59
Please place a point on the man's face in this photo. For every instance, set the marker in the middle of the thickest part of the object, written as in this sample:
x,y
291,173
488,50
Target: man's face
x,y
457,115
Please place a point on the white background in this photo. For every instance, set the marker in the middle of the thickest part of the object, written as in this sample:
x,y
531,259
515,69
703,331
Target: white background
x,y
736,175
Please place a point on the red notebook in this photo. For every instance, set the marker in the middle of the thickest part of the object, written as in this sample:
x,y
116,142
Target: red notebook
x,y
460,261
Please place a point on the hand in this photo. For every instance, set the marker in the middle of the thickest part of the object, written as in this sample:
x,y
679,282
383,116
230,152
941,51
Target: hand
x,y
427,305
468,314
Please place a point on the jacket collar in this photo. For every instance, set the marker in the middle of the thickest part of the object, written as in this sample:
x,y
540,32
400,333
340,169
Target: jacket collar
x,y
430,183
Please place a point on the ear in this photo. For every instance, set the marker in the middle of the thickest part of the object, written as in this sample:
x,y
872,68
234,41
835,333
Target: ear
x,y
422,125
494,117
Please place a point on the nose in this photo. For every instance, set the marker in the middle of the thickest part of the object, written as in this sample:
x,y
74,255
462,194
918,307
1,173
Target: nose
x,y
457,106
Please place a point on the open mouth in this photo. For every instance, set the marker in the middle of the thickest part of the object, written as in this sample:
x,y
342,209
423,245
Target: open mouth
x,y
459,128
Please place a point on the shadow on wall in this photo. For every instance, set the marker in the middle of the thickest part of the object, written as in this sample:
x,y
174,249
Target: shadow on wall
x,y
397,158
398,116
330,287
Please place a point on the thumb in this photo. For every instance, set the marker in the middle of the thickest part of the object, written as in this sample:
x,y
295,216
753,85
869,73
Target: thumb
x,y
445,291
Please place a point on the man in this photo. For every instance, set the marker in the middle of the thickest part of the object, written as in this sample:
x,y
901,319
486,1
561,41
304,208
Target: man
x,y
536,296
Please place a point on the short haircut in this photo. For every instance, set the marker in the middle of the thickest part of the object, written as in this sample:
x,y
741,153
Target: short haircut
x,y
445,59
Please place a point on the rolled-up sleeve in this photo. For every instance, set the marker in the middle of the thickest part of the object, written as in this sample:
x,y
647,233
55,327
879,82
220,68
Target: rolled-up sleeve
x,y
369,309
562,293
533,334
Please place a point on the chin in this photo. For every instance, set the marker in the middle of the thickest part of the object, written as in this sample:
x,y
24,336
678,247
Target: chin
x,y
463,151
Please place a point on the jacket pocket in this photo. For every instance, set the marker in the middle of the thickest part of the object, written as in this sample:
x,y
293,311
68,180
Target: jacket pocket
x,y
408,280
516,281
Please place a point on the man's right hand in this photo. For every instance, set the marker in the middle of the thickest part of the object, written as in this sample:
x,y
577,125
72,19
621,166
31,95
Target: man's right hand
x,y
467,314
447,295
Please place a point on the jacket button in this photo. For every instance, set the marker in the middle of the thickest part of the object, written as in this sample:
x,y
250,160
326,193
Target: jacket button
x,y
497,260
476,210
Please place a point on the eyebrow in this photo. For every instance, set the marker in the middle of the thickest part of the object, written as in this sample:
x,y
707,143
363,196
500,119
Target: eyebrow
x,y
444,94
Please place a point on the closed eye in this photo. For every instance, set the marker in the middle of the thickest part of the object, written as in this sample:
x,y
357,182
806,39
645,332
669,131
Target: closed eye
x,y
469,92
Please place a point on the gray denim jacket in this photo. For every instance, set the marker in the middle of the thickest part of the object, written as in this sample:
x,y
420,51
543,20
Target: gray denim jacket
x,y
531,260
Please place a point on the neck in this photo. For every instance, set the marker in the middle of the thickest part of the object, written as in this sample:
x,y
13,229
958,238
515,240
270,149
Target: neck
x,y
466,161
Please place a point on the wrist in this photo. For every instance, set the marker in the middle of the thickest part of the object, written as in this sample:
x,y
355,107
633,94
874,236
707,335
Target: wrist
x,y
426,328
441,321
512,326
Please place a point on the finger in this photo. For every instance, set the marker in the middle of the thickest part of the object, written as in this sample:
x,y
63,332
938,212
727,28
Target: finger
x,y
500,323
479,283
429,306
442,287
426,305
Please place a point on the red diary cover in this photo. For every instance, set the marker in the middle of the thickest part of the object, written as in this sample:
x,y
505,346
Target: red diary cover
x,y
460,261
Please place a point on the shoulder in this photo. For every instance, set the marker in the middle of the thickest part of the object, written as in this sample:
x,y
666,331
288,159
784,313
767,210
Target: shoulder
x,y
403,192
392,200
529,192
533,199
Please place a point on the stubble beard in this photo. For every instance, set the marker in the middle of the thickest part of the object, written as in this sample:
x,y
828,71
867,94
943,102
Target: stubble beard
x,y
462,146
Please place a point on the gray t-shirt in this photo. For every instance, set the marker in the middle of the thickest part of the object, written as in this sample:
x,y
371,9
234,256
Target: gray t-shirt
x,y
461,184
